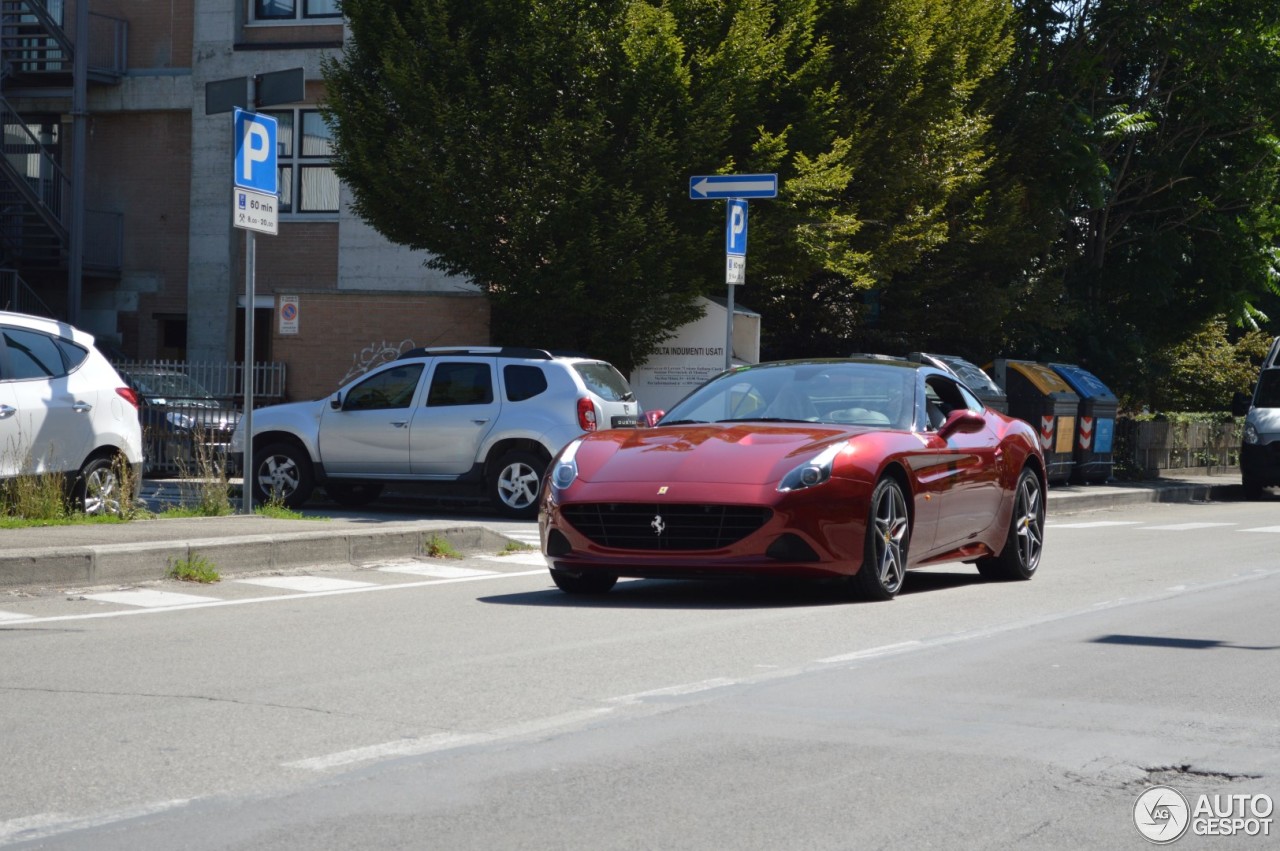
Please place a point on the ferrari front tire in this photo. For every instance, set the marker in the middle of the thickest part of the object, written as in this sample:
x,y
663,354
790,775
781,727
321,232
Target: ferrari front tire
x,y
1025,542
884,557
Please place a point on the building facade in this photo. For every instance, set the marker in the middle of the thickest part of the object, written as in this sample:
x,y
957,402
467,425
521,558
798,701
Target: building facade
x,y
145,212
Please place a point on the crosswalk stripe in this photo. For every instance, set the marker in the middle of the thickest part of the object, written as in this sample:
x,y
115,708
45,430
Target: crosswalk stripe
x,y
440,571
148,598
305,584
1094,524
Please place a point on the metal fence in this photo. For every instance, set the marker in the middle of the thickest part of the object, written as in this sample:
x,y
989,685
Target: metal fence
x,y
1145,447
190,408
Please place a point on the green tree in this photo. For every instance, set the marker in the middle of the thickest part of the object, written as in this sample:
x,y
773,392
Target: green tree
x,y
542,148
1144,134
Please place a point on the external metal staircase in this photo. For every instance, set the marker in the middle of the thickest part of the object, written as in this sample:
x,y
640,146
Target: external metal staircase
x,y
37,68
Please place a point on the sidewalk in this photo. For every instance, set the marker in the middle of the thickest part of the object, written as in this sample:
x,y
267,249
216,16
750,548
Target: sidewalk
x,y
144,550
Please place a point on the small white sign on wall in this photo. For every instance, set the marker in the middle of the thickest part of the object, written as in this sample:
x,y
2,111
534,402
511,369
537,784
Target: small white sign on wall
x,y
288,312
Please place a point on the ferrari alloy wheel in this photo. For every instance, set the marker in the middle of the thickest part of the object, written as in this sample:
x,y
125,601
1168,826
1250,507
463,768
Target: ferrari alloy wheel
x,y
516,483
583,583
1021,554
282,474
884,558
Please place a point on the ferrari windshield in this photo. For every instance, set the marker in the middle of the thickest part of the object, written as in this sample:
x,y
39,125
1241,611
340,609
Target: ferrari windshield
x,y
843,393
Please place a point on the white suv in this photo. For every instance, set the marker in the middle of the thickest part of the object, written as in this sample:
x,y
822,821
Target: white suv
x,y
64,409
460,421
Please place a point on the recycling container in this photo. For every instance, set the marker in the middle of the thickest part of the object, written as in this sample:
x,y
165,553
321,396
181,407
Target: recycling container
x,y
982,385
1040,396
1096,424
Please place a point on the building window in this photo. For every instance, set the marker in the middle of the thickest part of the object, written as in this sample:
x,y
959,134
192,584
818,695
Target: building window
x,y
308,183
293,10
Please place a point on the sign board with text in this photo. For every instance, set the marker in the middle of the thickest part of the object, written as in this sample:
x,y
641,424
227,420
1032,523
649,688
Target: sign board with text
x,y
255,211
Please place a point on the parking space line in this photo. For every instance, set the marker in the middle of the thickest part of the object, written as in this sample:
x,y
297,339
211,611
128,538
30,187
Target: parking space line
x,y
1271,529
1184,527
12,616
1093,524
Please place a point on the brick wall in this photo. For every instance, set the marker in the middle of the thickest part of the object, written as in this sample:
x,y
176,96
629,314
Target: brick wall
x,y
343,334
160,31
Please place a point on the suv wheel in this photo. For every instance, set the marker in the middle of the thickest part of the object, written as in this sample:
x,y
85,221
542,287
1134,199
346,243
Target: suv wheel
x,y
98,488
516,483
282,473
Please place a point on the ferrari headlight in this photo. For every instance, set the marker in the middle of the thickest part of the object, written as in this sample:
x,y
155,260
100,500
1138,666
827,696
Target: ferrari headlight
x,y
1250,433
813,472
565,471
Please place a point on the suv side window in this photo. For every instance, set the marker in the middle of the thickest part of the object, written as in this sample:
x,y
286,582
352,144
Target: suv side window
x,y
33,355
461,383
523,382
391,388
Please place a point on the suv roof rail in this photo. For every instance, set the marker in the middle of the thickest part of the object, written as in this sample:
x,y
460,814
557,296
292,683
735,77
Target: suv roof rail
x,y
497,351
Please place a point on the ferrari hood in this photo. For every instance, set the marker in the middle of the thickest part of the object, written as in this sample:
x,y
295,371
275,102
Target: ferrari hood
x,y
730,453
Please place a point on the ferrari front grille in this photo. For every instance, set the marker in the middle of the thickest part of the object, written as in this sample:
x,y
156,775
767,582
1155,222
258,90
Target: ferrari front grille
x,y
653,526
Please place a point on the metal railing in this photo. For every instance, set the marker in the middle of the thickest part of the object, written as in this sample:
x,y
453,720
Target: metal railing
x,y
223,380
17,296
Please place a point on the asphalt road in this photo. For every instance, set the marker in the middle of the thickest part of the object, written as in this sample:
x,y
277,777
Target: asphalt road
x,y
484,709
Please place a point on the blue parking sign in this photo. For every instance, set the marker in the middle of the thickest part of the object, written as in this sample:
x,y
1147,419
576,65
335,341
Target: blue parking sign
x,y
255,157
735,228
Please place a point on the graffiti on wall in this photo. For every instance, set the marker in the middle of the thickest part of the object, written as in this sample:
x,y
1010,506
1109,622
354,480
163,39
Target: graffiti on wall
x,y
375,354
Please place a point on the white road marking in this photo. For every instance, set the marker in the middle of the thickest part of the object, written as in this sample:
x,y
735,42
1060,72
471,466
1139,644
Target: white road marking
x,y
148,598
519,558
446,741
45,825
870,653
1272,529
278,598
1093,524
1184,527
305,584
12,616
442,571
675,691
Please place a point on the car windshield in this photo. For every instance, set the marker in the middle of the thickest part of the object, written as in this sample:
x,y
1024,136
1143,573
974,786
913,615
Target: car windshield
x,y
873,395
171,385
1268,395
604,381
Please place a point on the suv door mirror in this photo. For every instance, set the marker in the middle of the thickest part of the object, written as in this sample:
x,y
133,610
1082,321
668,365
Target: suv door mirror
x,y
335,401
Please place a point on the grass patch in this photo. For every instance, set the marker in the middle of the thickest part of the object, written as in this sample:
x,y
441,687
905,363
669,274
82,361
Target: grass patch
x,y
194,569
277,511
514,547
439,547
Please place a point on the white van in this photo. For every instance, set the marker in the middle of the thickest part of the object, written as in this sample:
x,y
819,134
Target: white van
x,y
1260,446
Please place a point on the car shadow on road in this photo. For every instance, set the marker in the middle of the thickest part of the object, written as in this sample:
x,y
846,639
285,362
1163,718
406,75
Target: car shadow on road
x,y
719,594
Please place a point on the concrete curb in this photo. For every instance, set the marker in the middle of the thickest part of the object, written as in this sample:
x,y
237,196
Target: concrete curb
x,y
231,554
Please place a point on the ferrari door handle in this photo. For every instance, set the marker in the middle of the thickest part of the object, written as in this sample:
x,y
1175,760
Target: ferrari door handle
x,y
82,407
7,411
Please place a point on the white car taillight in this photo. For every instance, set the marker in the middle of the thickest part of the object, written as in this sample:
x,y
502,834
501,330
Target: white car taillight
x,y
128,394
587,414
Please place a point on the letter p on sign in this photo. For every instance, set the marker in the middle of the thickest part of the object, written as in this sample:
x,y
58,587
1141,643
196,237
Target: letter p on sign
x,y
735,233
255,158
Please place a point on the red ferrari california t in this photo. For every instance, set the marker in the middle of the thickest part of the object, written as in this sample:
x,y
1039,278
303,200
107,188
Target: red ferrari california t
x,y
857,469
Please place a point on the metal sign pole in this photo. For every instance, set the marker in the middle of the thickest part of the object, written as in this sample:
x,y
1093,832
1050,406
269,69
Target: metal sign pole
x,y
728,334
246,495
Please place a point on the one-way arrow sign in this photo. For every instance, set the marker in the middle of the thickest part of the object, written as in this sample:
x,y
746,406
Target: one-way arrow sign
x,y
733,186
